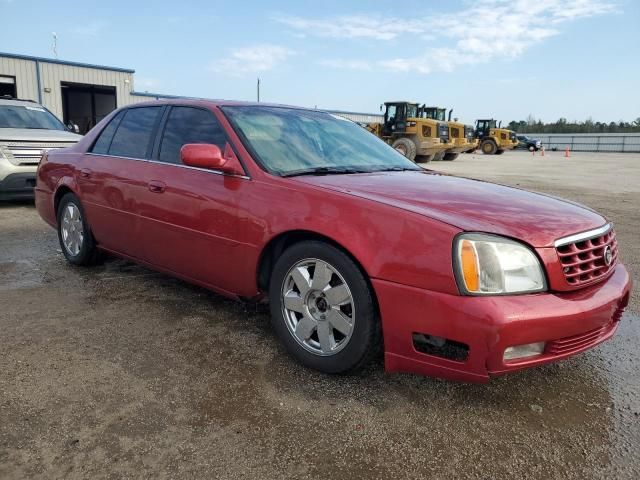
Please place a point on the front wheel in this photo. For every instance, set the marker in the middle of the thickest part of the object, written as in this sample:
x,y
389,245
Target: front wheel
x,y
489,147
322,308
449,157
406,147
76,241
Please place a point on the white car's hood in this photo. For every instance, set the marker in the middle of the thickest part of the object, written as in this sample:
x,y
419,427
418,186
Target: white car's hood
x,y
36,135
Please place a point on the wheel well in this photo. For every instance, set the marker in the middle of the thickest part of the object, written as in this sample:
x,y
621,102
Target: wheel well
x,y
280,243
61,192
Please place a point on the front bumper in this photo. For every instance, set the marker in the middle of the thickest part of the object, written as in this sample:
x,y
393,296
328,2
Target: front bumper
x,y
18,186
570,323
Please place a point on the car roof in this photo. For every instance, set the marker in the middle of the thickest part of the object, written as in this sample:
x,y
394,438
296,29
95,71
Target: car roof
x,y
207,102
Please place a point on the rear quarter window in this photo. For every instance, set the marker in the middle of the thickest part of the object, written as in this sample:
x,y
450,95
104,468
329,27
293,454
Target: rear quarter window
x,y
104,138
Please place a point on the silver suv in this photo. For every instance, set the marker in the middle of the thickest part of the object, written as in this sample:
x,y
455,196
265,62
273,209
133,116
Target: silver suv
x,y
27,129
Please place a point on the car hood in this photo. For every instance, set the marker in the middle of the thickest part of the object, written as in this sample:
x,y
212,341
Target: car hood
x,y
471,205
37,135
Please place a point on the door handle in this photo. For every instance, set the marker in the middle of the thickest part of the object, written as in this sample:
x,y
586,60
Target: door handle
x,y
156,186
85,172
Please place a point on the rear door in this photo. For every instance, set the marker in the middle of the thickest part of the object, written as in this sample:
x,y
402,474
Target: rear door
x,y
189,216
111,178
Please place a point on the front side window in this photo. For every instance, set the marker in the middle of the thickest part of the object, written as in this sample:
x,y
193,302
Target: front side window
x,y
189,125
133,136
28,116
288,140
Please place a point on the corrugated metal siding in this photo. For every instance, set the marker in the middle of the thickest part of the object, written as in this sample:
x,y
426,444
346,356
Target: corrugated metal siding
x,y
25,73
52,75
591,142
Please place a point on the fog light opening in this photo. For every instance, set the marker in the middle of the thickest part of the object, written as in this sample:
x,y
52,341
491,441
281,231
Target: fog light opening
x,y
519,352
440,347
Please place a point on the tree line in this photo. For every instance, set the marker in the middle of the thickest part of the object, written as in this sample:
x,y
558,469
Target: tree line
x,y
531,125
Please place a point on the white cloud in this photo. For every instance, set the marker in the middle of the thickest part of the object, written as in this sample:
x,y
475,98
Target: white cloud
x,y
488,30
352,26
252,59
346,64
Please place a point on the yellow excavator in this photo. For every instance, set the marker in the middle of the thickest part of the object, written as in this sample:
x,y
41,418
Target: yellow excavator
x,y
462,135
493,139
406,129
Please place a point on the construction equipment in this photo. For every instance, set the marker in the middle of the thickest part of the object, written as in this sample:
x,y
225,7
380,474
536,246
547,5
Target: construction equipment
x,y
462,135
494,139
407,130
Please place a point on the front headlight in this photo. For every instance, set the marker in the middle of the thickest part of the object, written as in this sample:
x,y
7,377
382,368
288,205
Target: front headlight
x,y
491,265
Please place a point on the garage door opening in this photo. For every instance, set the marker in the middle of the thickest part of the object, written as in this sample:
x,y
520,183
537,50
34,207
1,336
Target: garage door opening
x,y
8,86
85,105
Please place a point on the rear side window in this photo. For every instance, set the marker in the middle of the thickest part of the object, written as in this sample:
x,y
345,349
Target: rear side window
x,y
104,140
189,125
133,135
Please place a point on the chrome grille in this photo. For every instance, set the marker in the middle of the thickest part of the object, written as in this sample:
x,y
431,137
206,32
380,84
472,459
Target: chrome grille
x,y
30,153
584,260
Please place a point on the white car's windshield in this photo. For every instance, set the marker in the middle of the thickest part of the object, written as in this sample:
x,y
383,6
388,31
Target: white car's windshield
x,y
27,116
289,141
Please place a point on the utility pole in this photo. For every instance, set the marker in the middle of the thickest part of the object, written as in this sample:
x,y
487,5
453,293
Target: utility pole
x,y
258,88
55,44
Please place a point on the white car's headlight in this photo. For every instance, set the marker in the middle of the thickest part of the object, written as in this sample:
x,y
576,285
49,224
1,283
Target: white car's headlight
x,y
491,265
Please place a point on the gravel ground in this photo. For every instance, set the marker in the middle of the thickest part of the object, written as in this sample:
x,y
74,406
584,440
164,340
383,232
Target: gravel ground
x,y
119,372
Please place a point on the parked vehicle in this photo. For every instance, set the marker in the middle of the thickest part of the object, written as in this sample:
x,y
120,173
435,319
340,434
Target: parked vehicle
x,y
462,135
27,129
531,144
494,139
355,247
415,136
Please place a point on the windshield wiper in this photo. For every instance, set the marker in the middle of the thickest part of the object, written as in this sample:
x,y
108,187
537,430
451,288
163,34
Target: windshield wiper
x,y
323,171
397,169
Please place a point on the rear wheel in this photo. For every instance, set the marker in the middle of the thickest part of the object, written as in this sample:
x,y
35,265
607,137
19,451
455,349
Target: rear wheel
x,y
438,156
489,147
76,241
406,147
322,308
450,156
500,151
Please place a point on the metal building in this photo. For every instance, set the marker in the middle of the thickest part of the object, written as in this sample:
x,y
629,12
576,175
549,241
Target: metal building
x,y
76,93
83,94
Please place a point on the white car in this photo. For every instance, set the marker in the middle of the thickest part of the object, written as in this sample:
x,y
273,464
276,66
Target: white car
x,y
27,130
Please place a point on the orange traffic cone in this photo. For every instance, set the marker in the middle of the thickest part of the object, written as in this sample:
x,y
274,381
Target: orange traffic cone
x,y
533,152
542,150
566,152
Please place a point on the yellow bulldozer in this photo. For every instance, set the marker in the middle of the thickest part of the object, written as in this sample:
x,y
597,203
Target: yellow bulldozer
x,y
407,130
462,135
493,139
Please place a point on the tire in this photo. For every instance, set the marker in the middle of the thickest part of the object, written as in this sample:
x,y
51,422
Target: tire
x,y
423,158
489,147
449,157
499,151
438,156
532,148
348,346
406,147
71,219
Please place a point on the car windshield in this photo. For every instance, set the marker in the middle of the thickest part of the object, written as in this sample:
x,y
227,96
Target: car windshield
x,y
27,116
289,141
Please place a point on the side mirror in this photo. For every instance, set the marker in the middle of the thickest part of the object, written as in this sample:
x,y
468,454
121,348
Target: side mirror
x,y
204,155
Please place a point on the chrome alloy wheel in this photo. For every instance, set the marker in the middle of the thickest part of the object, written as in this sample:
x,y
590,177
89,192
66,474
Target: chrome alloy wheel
x,y
72,229
318,307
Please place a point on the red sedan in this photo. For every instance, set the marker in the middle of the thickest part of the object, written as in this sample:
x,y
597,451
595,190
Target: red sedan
x,y
356,248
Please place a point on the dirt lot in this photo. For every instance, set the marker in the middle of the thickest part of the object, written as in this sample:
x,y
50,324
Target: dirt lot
x,y
119,372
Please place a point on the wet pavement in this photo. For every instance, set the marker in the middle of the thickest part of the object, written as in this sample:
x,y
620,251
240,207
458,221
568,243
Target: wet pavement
x,y
119,372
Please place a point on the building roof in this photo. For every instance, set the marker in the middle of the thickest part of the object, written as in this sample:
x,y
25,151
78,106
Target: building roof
x,y
65,62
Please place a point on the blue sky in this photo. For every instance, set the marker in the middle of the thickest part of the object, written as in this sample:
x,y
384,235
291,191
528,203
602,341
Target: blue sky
x,y
504,59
